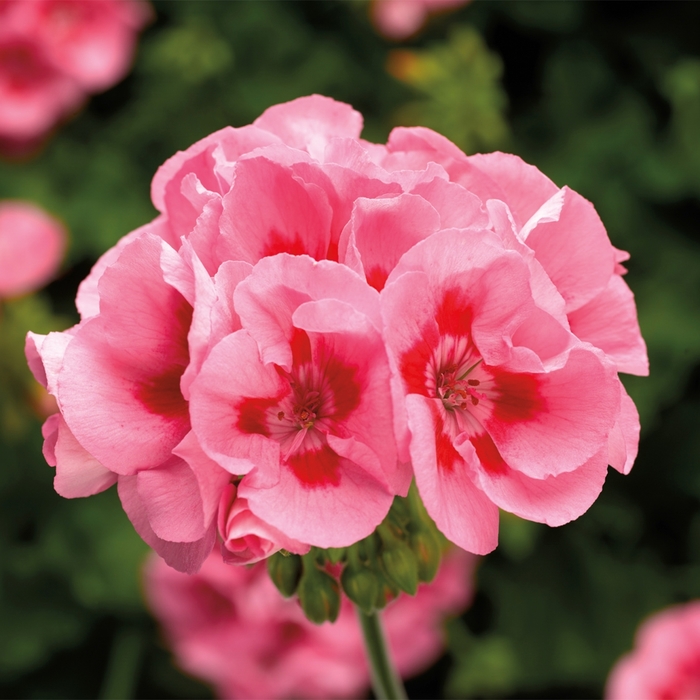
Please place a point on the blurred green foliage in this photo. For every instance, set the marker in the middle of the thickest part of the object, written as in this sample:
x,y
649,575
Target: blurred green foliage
x,y
603,97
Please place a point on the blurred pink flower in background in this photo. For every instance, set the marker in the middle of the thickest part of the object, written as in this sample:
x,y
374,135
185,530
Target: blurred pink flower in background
x,y
32,244
53,53
399,19
231,627
665,663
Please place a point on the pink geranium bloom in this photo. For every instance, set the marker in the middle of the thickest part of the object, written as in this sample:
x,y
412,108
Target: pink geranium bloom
x,y
399,19
303,391
231,627
505,408
665,662
311,313
32,244
53,53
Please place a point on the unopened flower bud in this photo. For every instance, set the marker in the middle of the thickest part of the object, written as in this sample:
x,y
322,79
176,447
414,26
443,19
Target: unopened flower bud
x,y
426,548
361,586
386,591
319,594
285,572
398,560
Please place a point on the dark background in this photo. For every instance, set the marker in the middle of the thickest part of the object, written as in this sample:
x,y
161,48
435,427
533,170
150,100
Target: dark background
x,y
602,96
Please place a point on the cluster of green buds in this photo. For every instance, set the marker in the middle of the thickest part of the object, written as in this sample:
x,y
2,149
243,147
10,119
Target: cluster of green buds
x,y
404,550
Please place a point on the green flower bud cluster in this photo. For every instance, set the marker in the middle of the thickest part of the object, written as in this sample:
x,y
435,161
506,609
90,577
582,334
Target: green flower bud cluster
x,y
404,550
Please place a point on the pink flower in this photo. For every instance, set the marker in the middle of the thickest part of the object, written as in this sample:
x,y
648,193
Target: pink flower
x,y
32,244
54,52
399,19
230,626
313,318
505,408
665,663
303,391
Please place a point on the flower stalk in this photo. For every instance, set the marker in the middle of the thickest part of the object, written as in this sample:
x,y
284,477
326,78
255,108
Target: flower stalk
x,y
386,682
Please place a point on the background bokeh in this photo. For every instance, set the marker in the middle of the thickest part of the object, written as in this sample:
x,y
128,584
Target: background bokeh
x,y
602,96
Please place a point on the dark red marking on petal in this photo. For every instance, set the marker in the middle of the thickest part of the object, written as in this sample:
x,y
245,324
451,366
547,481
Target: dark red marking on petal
x,y
314,468
332,252
252,415
277,242
376,278
160,394
415,363
453,314
488,454
301,347
518,397
344,383
445,452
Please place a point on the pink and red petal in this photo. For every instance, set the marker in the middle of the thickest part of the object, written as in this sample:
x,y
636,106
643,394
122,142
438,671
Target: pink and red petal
x,y
107,387
268,211
347,502
462,512
553,500
553,422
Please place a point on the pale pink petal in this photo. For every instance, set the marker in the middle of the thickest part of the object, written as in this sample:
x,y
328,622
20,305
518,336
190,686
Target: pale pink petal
x,y
214,316
624,437
609,321
45,356
544,293
573,248
211,478
172,501
187,557
458,208
309,123
200,160
522,186
78,473
462,512
87,300
32,245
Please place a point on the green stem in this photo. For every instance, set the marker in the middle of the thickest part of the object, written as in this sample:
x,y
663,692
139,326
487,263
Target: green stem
x,y
386,683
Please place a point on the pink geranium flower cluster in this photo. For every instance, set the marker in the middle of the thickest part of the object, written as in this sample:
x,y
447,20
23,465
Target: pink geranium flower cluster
x,y
32,244
55,52
231,627
313,320
665,663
